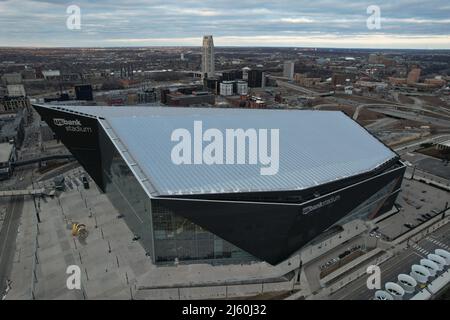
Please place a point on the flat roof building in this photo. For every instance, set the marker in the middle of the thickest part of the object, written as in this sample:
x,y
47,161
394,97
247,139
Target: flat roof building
x,y
7,156
235,204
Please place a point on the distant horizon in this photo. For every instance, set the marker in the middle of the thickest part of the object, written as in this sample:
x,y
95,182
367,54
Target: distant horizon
x,y
400,24
225,47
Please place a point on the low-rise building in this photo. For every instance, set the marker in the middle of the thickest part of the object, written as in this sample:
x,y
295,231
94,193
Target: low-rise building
x,y
51,74
397,81
12,128
226,88
242,88
7,157
305,81
438,83
195,98
147,96
16,90
12,78
14,104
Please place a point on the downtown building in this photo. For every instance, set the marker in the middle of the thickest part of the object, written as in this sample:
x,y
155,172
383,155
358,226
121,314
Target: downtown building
x,y
208,56
288,70
330,172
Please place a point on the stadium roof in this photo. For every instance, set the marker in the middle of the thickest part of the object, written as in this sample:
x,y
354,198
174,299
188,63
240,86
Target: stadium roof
x,y
316,147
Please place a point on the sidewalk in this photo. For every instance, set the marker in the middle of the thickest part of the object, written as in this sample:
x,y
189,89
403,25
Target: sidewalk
x,y
113,266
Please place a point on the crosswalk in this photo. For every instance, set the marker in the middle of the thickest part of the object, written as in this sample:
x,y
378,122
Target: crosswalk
x,y
420,249
438,243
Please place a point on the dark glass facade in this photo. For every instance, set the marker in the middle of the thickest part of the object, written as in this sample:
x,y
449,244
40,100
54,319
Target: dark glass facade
x,y
164,235
179,238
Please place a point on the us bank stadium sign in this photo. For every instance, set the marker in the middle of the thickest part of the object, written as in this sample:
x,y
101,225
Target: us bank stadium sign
x,y
71,125
321,204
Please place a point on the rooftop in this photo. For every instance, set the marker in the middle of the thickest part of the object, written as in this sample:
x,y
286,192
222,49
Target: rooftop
x,y
5,151
315,147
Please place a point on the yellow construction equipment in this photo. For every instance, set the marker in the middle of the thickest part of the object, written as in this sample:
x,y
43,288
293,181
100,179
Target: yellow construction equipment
x,y
79,230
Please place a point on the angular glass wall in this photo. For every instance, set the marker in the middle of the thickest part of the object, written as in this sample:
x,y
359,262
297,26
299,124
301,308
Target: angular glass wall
x,y
164,235
126,194
177,237
372,206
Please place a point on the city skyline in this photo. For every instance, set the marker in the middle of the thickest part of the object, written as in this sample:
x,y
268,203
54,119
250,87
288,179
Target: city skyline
x,y
324,23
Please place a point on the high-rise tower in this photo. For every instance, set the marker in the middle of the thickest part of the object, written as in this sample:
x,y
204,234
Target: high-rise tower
x,y
288,70
208,69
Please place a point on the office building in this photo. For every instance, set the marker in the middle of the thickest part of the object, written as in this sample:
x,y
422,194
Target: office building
x,y
255,78
288,69
413,76
84,92
226,88
242,88
208,66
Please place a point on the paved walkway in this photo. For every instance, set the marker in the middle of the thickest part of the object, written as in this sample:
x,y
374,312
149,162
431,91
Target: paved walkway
x,y
113,266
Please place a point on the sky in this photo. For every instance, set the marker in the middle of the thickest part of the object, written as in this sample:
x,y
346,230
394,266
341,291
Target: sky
x,y
289,23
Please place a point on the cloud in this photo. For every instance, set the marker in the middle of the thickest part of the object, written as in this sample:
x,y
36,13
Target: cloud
x,y
296,20
245,22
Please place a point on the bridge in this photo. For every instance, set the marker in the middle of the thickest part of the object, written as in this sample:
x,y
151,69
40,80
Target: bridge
x,y
40,159
25,192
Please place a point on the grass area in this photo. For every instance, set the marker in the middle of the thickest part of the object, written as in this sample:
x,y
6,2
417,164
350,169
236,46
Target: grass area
x,y
405,100
434,101
348,110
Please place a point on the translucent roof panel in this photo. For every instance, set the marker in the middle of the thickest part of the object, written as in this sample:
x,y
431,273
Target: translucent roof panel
x,y
315,147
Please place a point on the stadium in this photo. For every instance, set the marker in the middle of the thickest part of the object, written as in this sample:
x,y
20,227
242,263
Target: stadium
x,y
330,171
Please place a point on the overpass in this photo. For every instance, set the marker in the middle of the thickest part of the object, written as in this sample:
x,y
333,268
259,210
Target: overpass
x,y
24,192
40,159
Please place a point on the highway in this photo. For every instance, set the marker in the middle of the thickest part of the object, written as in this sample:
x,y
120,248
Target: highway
x,y
357,290
295,87
414,117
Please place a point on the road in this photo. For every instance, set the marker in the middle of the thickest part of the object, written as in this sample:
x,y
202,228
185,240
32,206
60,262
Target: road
x,y
295,87
414,117
412,146
367,105
8,234
357,290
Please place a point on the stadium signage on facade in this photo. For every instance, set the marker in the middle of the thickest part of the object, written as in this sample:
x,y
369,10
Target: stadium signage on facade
x,y
309,209
71,125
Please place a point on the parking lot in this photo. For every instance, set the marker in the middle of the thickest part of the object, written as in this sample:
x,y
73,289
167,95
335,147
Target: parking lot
x,y
417,203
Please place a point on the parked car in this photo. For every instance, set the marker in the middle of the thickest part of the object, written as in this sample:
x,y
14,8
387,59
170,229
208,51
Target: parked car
x,y
85,182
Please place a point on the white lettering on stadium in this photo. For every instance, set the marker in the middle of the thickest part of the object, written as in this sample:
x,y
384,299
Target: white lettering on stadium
x,y
71,125
309,209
